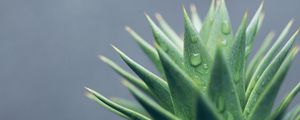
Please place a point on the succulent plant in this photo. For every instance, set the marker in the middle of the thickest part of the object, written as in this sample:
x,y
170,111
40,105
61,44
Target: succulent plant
x,y
207,74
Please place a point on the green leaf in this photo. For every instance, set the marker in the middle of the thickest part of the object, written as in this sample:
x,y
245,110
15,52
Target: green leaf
x,y
278,113
258,56
127,112
265,101
183,89
268,74
266,60
205,110
197,60
158,86
92,97
148,50
237,59
130,105
155,110
165,43
169,31
208,23
222,90
131,78
253,28
221,29
195,18
293,114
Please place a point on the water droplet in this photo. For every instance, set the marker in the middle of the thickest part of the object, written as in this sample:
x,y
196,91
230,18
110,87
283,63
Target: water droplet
x,y
203,69
226,29
224,42
205,66
229,116
221,104
195,59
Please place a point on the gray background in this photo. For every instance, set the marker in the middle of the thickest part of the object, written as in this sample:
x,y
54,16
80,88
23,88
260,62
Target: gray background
x,y
48,50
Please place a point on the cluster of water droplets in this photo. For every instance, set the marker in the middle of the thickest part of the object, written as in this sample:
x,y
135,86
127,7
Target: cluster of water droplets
x,y
226,30
196,60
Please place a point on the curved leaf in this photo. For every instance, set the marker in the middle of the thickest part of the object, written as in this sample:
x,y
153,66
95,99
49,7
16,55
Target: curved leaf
x,y
129,113
157,85
266,77
237,59
263,105
130,105
293,114
92,97
258,56
278,113
131,78
267,59
165,43
169,31
155,110
148,50
252,29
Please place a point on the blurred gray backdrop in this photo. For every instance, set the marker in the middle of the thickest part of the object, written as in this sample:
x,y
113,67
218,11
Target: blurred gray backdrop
x,y
48,50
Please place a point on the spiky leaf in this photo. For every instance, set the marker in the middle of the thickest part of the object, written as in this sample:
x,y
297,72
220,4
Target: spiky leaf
x,y
124,111
221,28
222,90
197,60
252,29
267,59
237,59
157,85
148,50
258,57
268,75
131,78
264,103
195,17
281,109
130,105
154,109
165,43
173,36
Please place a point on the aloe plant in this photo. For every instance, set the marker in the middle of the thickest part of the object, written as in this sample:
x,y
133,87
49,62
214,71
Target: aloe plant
x,y
207,74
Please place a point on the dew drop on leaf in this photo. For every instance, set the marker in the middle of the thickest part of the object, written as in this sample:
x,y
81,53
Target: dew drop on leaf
x,y
224,42
203,69
205,66
195,59
226,29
